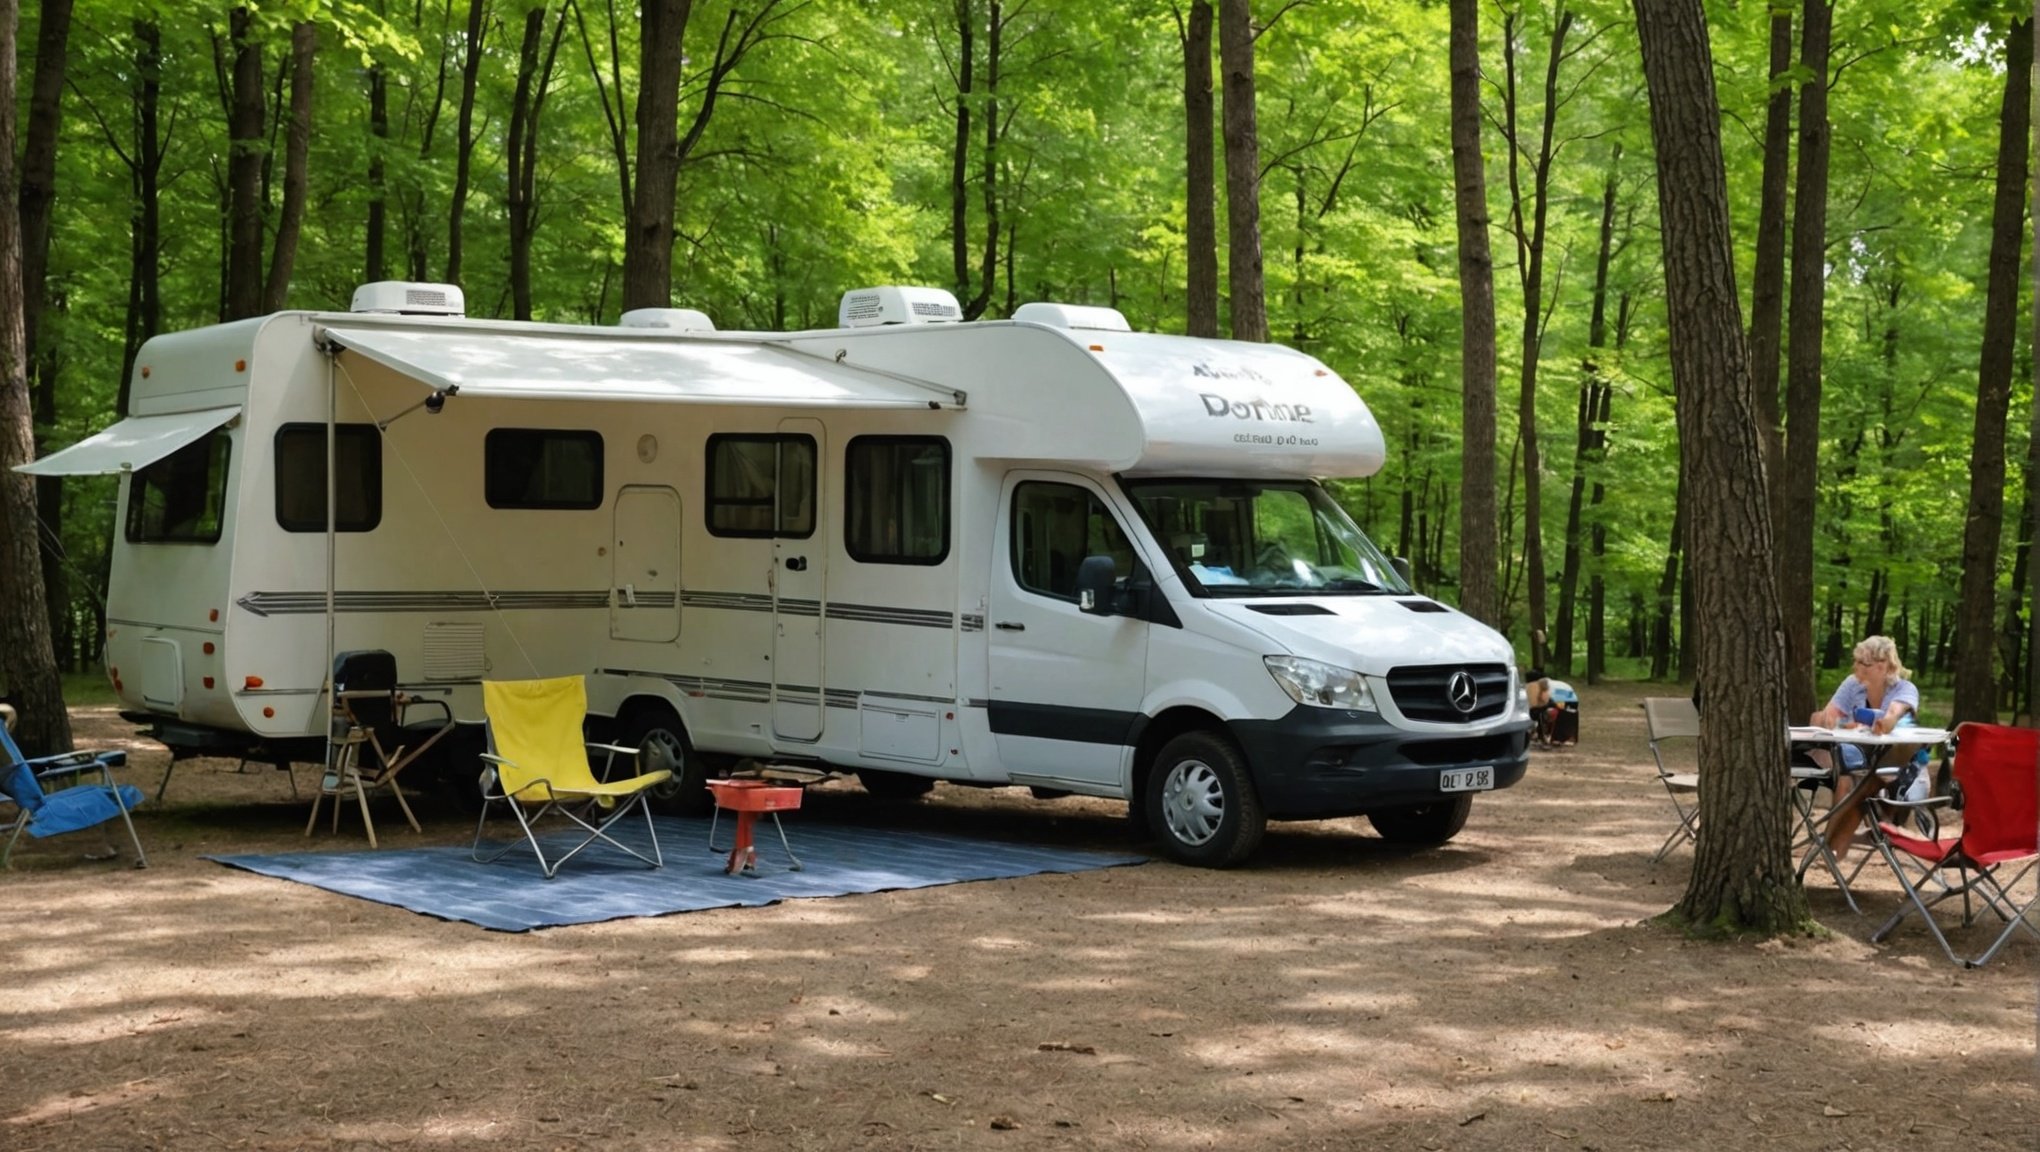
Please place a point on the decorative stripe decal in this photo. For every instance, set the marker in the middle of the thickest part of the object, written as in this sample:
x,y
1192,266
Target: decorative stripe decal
x,y
973,622
760,692
312,603
1059,722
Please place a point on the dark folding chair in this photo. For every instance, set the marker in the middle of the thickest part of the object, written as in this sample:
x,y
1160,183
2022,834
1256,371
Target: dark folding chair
x,y
374,735
1997,774
73,808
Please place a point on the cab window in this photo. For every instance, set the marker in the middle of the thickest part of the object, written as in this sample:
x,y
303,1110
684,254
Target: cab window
x,y
1054,527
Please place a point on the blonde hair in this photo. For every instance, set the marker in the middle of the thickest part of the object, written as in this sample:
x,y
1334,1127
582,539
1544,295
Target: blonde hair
x,y
1883,650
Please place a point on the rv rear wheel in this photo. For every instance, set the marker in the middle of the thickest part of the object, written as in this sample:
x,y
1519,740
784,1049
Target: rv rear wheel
x,y
1423,825
661,742
894,785
1201,802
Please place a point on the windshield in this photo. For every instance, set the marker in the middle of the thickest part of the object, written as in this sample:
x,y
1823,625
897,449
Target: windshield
x,y
1261,538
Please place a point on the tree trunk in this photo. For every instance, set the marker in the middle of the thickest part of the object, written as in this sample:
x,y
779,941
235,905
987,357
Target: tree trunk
x,y
1242,172
28,662
145,297
528,103
297,152
1663,644
612,111
648,240
38,195
1767,280
974,304
1530,245
244,172
1478,595
1200,230
1590,447
2033,446
379,133
1742,867
1974,698
1803,362
470,75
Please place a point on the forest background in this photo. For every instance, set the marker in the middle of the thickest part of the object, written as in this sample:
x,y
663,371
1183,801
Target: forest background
x,y
202,163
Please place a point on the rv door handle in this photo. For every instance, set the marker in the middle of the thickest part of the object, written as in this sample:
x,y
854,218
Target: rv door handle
x,y
796,563
1010,626
627,596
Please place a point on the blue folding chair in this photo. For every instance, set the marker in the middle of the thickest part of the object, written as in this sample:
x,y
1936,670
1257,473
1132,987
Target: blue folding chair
x,y
72,808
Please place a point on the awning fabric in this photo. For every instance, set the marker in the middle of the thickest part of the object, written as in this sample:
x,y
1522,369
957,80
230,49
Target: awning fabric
x,y
554,367
132,444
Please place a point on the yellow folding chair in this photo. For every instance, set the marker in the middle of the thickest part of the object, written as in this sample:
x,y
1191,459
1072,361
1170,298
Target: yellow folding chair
x,y
538,760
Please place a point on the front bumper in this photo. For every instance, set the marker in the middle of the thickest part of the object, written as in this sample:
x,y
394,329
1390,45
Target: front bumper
x,y
1319,763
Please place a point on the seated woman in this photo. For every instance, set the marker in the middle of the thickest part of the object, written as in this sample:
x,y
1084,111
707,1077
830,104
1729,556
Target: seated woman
x,y
1538,686
1879,685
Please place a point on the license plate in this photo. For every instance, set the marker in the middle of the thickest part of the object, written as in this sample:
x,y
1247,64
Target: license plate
x,y
1466,780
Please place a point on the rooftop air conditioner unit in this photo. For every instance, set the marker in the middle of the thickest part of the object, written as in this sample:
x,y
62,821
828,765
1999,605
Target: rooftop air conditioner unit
x,y
1084,316
403,298
872,307
670,319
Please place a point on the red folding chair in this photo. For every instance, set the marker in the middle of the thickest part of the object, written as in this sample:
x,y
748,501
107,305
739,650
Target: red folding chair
x,y
1997,771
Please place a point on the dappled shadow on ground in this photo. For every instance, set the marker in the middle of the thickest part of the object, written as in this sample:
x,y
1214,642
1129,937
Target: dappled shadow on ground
x,y
1505,991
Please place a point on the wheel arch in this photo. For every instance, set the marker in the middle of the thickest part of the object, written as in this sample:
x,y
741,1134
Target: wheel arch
x,y
1164,727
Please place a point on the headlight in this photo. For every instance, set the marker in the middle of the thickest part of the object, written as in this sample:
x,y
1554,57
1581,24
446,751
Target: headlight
x,y
1319,684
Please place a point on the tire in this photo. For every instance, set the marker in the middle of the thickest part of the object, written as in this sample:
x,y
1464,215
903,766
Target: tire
x,y
1423,825
894,785
1201,804
661,741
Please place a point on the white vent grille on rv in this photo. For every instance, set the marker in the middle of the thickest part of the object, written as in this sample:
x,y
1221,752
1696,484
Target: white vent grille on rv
x,y
1073,316
871,307
408,299
672,319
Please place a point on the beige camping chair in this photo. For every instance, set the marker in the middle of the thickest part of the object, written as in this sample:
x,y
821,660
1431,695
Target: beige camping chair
x,y
1674,718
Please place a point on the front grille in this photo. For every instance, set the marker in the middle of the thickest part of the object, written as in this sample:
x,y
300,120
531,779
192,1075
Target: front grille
x,y
1423,692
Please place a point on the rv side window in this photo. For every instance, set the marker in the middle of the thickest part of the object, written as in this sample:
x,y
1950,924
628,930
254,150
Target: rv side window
x,y
301,478
542,468
1054,527
181,499
761,485
896,499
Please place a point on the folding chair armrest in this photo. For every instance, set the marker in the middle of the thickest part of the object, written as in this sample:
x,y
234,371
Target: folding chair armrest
x,y
612,748
76,764
410,702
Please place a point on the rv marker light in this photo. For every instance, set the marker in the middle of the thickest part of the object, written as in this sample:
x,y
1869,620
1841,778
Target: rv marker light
x,y
208,648
208,681
252,683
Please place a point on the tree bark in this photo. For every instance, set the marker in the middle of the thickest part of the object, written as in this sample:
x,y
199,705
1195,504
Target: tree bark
x,y
1200,230
648,240
1767,279
296,158
145,297
1479,596
534,79
379,135
1242,172
1803,362
1742,868
1974,685
244,171
974,303
28,662
464,146
38,197
1590,446
2033,443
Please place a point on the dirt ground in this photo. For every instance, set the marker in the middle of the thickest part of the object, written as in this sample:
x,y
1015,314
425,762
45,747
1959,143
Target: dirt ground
x,y
1505,991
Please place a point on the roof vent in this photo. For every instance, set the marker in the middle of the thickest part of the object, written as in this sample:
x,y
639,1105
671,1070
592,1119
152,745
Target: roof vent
x,y
671,319
1073,316
404,298
871,307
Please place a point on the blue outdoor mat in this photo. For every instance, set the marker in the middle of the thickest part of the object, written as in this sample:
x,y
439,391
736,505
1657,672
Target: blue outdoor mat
x,y
512,895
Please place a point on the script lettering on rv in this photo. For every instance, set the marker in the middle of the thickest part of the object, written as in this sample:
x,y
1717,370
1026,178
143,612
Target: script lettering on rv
x,y
1221,407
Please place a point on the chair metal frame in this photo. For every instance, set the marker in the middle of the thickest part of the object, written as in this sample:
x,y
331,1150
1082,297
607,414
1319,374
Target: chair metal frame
x,y
356,732
74,766
1990,840
1674,718
574,795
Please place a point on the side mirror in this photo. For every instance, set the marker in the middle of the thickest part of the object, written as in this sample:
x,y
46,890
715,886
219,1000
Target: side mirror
x,y
1401,564
1094,585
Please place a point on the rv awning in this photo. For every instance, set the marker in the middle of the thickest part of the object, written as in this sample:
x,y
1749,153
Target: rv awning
x,y
134,443
557,367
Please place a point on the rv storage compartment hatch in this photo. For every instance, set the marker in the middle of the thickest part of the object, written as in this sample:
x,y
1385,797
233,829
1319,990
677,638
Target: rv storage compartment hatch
x,y
901,729
162,675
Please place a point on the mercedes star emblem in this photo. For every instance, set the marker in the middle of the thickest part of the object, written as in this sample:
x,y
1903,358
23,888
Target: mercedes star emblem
x,y
1463,693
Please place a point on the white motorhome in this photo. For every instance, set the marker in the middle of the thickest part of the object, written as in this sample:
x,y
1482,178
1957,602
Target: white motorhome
x,y
1046,551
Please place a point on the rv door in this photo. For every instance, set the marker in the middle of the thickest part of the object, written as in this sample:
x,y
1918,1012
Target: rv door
x,y
644,602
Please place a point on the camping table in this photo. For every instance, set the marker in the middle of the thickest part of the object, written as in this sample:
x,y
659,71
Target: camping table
x,y
1875,747
747,798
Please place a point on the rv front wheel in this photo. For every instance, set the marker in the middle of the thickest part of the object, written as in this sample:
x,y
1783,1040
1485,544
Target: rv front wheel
x,y
1201,802
1423,825
662,743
